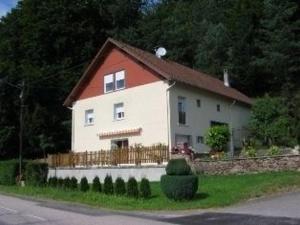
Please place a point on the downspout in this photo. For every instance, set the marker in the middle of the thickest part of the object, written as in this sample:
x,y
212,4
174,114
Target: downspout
x,y
231,129
168,112
72,129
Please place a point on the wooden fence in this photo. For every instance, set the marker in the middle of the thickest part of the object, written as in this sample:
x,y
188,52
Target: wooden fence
x,y
133,155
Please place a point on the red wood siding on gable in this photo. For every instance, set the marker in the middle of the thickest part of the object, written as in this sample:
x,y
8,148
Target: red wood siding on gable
x,y
135,74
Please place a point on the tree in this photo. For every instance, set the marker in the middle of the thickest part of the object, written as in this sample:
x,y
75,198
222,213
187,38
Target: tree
x,y
270,122
48,45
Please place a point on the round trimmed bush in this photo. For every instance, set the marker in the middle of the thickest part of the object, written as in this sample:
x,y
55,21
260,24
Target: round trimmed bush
x,y
179,187
145,188
84,185
132,188
96,186
73,183
178,167
108,187
120,188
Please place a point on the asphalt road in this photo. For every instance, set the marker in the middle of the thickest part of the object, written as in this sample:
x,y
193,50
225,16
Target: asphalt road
x,y
28,212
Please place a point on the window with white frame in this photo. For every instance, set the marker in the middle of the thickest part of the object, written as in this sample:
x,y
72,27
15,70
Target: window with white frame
x,y
108,83
119,111
182,110
89,117
120,80
114,81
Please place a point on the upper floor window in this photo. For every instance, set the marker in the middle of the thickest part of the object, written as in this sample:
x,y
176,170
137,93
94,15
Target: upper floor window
x,y
182,110
89,117
108,83
119,111
218,108
120,80
115,81
198,103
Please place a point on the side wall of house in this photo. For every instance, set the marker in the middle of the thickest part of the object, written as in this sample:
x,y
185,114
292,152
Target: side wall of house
x,y
198,119
144,108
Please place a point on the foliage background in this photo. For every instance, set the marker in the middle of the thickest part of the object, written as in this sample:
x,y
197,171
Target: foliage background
x,y
48,44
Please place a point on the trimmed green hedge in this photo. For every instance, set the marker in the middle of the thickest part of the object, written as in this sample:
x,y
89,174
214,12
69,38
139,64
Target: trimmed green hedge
x,y
178,167
145,188
36,173
132,188
179,187
120,187
84,185
108,186
96,186
8,172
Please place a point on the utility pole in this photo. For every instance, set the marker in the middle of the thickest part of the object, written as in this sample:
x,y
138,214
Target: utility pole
x,y
21,129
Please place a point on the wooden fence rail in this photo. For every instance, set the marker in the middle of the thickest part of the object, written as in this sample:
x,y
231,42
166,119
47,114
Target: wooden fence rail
x,y
133,155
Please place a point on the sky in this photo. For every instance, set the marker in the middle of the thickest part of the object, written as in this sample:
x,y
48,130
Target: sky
x,y
6,5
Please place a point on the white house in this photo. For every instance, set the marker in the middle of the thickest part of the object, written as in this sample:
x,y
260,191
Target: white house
x,y
128,96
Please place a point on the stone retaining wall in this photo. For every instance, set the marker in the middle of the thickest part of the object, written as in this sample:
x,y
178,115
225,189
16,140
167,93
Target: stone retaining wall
x,y
247,165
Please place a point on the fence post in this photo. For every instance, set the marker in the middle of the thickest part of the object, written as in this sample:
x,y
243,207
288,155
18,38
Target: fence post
x,y
86,158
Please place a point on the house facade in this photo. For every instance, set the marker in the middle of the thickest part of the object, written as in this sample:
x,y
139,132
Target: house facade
x,y
128,96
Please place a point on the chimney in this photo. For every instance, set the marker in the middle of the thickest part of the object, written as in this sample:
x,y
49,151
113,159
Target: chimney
x,y
226,78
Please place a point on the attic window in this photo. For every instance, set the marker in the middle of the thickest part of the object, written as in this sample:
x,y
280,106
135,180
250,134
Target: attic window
x,y
120,80
108,83
114,81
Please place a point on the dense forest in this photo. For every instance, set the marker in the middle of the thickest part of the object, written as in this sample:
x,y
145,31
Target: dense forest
x,y
48,44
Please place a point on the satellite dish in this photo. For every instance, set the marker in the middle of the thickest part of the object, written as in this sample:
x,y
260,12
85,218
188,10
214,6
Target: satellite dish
x,y
161,51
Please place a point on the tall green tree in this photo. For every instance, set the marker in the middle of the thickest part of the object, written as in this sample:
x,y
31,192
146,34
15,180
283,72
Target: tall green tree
x,y
48,44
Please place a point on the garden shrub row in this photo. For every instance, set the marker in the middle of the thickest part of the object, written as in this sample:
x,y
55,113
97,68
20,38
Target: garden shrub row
x,y
109,188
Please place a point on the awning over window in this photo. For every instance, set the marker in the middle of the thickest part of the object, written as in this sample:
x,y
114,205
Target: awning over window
x,y
120,133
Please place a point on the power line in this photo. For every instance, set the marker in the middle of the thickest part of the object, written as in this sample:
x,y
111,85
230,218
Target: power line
x,y
57,73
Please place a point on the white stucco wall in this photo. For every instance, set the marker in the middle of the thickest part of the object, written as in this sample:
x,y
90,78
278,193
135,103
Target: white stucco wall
x,y
145,107
198,119
152,173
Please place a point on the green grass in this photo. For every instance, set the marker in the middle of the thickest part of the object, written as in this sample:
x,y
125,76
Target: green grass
x,y
214,191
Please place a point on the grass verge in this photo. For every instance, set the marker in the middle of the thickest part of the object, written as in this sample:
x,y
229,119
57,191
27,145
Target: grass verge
x,y
214,191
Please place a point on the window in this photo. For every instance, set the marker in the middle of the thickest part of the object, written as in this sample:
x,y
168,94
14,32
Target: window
x,y
200,139
119,144
115,81
108,83
216,123
181,110
181,139
120,80
218,108
89,117
198,103
119,111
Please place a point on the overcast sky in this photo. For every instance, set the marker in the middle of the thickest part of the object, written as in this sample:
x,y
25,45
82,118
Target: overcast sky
x,y
6,5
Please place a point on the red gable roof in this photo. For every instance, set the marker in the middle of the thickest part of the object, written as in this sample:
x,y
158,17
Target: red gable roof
x,y
166,68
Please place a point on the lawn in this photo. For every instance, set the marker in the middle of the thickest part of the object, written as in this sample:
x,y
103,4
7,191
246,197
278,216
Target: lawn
x,y
214,191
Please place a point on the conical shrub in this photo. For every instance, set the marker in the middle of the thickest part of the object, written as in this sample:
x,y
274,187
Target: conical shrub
x,y
84,185
73,183
108,187
96,186
67,183
120,188
132,188
145,189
